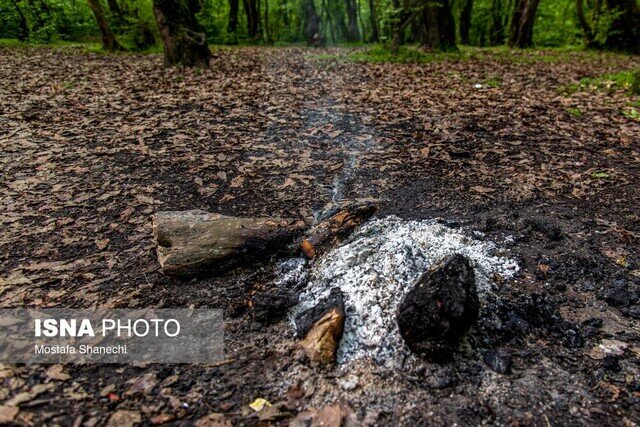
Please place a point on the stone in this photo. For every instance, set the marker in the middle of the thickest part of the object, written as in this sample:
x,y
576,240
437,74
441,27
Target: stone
x,y
322,326
190,243
439,309
497,360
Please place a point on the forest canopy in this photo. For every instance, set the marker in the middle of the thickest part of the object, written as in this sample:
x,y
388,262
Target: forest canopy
x,y
431,24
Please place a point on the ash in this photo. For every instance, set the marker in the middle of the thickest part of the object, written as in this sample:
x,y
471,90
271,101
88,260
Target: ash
x,y
374,269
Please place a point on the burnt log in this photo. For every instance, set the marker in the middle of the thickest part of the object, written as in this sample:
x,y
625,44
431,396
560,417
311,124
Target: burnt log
x,y
190,243
334,227
440,308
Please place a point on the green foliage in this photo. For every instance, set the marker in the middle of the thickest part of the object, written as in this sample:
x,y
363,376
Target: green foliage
x,y
575,112
632,113
46,21
406,54
611,82
635,82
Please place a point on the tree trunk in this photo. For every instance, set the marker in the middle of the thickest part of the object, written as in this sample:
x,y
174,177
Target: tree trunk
x,y
524,14
312,24
439,26
496,25
624,31
251,10
234,6
114,7
109,41
23,32
399,23
267,30
373,18
353,33
182,36
584,24
465,21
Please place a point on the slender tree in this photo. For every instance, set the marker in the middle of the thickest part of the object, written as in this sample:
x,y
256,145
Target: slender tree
x,y
465,21
373,19
234,6
522,20
268,38
23,31
109,41
496,24
183,37
312,23
401,18
439,30
352,33
252,11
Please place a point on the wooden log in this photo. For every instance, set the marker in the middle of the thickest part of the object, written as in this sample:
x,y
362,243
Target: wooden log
x,y
335,227
191,243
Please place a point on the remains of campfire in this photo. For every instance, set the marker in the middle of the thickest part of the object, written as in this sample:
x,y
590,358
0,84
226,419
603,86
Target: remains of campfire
x,y
381,288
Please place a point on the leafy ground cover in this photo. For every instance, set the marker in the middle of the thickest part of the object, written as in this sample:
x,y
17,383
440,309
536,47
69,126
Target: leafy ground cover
x,y
92,145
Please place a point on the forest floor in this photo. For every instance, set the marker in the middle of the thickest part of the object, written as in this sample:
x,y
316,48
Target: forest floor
x,y
509,144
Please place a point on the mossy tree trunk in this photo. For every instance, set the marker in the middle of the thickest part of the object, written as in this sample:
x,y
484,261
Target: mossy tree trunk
x,y
439,27
109,41
522,20
23,31
353,32
624,32
183,38
373,18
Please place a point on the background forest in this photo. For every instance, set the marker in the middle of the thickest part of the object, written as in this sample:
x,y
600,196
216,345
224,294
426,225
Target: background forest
x,y
440,25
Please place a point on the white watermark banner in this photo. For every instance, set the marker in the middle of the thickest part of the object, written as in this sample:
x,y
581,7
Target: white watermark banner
x,y
111,336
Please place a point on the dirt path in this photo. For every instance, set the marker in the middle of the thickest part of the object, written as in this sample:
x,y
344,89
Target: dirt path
x,y
92,145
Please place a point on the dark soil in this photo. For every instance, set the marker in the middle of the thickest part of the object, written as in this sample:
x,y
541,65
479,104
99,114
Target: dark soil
x,y
92,145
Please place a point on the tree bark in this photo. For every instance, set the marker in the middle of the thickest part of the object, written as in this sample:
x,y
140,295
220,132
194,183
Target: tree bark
x,y
373,19
465,21
191,243
234,6
496,24
524,14
353,33
183,38
312,24
253,18
439,26
624,32
268,39
400,21
23,32
109,41
584,24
